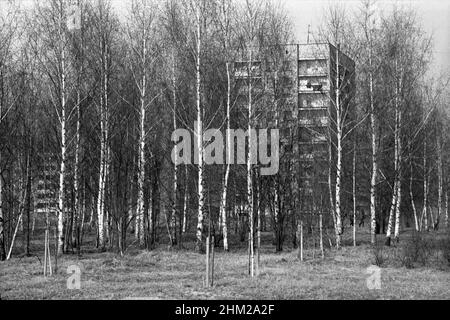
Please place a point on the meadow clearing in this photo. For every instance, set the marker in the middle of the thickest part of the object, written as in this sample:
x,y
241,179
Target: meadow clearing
x,y
179,274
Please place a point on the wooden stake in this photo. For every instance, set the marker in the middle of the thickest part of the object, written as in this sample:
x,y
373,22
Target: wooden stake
x,y
314,242
45,252
212,262
301,240
354,228
49,256
321,235
258,247
249,255
207,261
56,252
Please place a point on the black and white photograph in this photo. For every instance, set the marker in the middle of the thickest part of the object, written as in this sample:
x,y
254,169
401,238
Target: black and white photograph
x,y
224,155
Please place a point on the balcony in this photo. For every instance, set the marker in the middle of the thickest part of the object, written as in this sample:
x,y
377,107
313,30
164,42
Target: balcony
x,y
314,85
242,70
314,122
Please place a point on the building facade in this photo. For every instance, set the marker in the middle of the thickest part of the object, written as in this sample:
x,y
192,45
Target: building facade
x,y
301,89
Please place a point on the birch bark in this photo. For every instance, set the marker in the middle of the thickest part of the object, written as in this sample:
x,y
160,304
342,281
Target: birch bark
x,y
337,206
425,187
199,134
175,171
62,172
249,165
411,197
223,207
440,182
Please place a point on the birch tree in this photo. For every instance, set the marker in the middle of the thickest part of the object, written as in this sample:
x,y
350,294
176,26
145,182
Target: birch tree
x,y
141,38
199,19
74,26
439,150
225,25
8,32
368,27
432,100
196,15
103,31
50,40
337,29
253,18
407,55
397,190
177,36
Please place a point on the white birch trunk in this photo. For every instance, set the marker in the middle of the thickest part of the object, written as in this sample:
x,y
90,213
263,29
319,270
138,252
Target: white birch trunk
x,y
92,206
108,151
139,231
150,223
175,171
141,175
399,197
62,172
76,181
276,213
425,186
399,155
249,165
199,133
185,204
395,188
33,224
105,209
223,205
83,217
395,191
392,212
373,179
446,209
136,222
14,235
104,152
330,191
101,183
440,182
431,216
397,210
411,197
338,226
75,235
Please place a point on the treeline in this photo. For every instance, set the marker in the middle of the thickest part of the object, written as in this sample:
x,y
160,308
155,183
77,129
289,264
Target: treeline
x,y
89,100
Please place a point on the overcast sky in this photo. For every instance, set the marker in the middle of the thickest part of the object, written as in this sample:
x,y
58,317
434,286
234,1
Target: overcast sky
x,y
433,14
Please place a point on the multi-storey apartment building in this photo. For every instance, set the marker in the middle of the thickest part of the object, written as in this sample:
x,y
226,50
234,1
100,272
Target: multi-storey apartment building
x,y
46,186
305,90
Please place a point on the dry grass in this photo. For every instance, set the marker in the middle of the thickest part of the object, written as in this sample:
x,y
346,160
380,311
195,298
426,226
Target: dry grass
x,y
163,274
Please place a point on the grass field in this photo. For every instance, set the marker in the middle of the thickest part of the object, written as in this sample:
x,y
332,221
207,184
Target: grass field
x,y
178,274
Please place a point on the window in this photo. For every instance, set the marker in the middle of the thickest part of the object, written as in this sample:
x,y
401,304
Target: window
x,y
312,67
312,101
